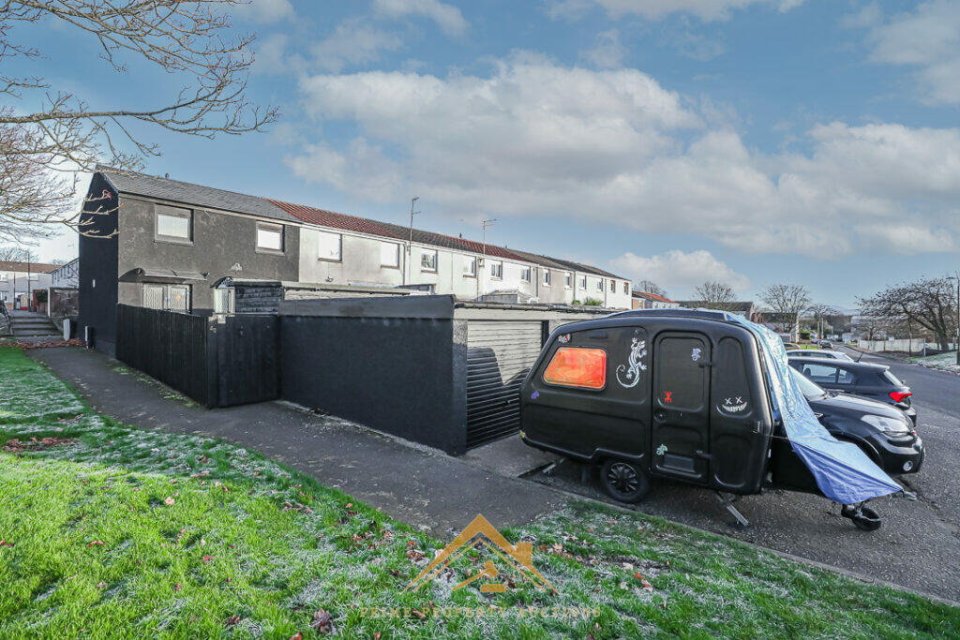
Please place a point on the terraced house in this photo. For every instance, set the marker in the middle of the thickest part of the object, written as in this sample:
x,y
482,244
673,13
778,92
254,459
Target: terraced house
x,y
162,243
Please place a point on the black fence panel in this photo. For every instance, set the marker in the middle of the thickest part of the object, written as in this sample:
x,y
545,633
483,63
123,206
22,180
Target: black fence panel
x,y
171,347
248,354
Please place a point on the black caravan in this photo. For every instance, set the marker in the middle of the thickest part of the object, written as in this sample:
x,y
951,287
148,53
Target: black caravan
x,y
678,394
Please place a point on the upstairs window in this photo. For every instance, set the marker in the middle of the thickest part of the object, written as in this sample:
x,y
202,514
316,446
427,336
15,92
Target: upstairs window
x,y
390,255
600,284
626,287
583,282
525,274
496,270
269,237
330,246
470,267
547,278
428,261
613,286
568,280
173,224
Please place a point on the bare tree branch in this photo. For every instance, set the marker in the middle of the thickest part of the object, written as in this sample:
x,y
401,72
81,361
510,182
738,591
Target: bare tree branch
x,y
38,148
716,295
929,303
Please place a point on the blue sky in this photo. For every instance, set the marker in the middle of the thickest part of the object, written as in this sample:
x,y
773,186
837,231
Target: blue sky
x,y
750,141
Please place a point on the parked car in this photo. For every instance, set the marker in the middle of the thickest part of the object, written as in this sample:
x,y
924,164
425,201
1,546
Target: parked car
x,y
825,344
818,353
882,431
874,381
790,345
683,395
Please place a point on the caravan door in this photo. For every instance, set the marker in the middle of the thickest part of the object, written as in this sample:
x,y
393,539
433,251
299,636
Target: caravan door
x,y
680,437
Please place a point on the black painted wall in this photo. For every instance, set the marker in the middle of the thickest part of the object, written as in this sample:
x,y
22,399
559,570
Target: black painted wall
x,y
98,265
219,242
401,375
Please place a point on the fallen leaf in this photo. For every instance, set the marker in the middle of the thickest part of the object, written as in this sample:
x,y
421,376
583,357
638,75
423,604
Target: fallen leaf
x,y
95,543
348,505
207,559
377,635
322,621
101,585
177,587
643,581
5,543
297,636
169,502
232,621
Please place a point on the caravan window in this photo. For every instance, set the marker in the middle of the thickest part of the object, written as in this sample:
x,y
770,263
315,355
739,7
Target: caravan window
x,y
577,367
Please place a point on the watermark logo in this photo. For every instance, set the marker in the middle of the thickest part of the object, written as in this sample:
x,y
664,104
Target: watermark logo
x,y
504,559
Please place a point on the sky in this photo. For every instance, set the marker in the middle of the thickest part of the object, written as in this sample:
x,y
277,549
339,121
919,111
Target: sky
x,y
747,141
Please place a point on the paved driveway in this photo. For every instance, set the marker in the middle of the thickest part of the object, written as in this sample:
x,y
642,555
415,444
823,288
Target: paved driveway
x,y
919,543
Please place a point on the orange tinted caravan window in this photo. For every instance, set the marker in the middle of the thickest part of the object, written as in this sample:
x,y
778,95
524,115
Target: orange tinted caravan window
x,y
577,367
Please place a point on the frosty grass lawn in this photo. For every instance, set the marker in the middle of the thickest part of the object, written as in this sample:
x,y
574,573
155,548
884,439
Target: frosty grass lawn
x,y
111,531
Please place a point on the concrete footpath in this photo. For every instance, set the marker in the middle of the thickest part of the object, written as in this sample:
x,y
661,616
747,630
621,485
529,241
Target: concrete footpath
x,y
417,485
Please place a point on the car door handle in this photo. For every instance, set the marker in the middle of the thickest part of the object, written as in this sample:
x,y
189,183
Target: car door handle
x,y
660,414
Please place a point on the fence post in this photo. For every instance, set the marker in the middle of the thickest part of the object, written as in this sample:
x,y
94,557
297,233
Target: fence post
x,y
213,364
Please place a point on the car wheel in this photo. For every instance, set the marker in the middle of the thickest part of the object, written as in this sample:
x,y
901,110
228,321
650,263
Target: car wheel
x,y
624,481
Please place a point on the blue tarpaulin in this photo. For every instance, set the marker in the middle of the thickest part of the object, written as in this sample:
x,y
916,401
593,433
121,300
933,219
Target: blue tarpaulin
x,y
842,470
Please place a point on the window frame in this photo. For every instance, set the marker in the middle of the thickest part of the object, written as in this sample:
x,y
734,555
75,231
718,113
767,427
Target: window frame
x,y
270,227
339,237
547,278
472,271
526,274
165,296
578,387
396,247
567,280
582,284
172,212
496,265
436,260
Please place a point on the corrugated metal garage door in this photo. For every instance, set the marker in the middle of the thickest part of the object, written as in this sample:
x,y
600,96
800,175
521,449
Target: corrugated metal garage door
x,y
499,354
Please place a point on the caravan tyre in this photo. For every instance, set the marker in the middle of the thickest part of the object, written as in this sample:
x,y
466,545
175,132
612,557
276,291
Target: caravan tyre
x,y
624,481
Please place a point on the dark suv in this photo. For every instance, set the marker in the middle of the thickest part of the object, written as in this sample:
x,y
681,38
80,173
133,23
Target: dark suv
x,y
874,381
882,431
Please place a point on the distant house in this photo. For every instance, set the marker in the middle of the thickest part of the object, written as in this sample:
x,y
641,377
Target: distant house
x,y
19,281
746,309
647,300
66,276
786,325
164,244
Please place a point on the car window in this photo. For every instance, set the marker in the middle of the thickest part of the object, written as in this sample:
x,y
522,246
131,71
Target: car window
x,y
820,373
845,377
892,378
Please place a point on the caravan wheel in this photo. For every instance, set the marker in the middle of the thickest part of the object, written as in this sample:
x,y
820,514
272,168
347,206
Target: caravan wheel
x,y
624,481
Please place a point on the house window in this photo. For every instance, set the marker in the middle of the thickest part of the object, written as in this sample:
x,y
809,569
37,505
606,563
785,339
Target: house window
x,y
568,280
626,287
269,237
390,255
470,267
173,224
525,274
330,246
170,297
600,284
583,282
496,270
546,277
613,286
428,261
3,277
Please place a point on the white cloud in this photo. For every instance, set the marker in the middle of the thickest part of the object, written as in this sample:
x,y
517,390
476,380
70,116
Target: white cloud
x,y
614,147
705,10
608,53
353,42
680,272
927,39
270,57
265,11
447,17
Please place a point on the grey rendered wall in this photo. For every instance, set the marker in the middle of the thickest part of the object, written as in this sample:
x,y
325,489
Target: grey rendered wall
x,y
394,364
219,242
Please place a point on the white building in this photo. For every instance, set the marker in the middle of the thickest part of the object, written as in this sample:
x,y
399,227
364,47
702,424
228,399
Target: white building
x,y
20,280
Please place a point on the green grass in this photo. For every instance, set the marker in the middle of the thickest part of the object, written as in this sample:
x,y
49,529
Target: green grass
x,y
119,532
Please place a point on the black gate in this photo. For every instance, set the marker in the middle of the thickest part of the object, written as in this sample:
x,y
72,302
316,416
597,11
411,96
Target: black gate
x,y
218,361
